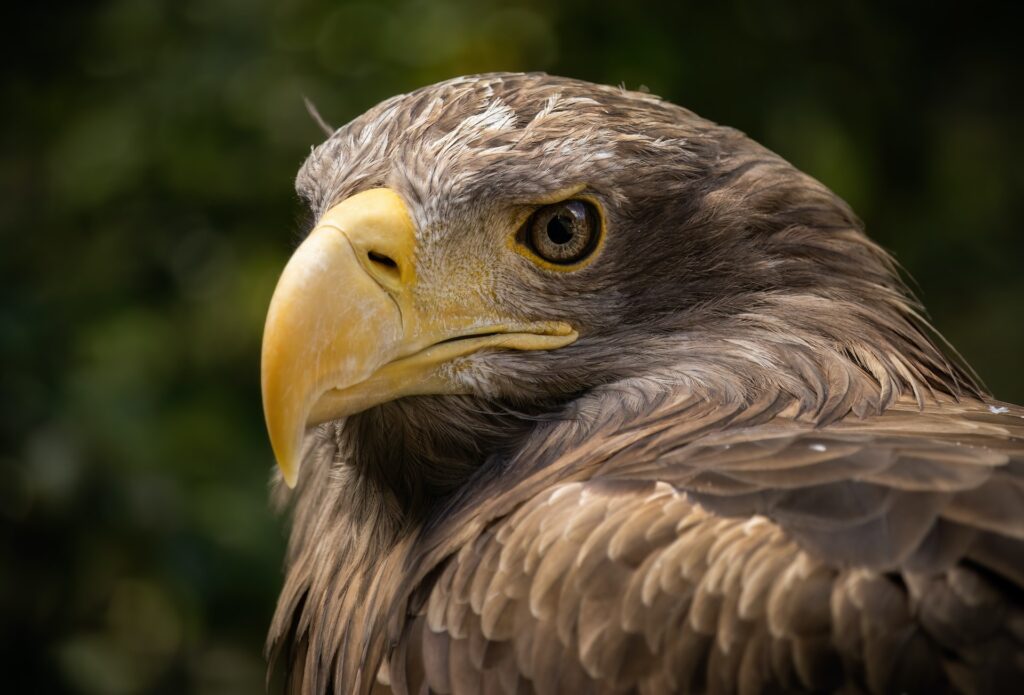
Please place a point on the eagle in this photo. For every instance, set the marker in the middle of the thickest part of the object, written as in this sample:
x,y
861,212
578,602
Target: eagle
x,y
574,391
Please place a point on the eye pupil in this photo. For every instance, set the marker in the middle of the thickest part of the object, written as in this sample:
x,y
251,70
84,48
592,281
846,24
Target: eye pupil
x,y
560,231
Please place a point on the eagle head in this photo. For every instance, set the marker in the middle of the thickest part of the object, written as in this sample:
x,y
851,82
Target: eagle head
x,y
489,249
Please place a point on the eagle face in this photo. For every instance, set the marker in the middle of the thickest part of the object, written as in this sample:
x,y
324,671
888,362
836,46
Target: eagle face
x,y
517,240
593,395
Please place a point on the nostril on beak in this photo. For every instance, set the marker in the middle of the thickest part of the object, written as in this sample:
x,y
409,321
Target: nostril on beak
x,y
384,268
381,259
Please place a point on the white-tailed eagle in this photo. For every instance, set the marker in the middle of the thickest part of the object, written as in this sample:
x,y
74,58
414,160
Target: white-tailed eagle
x,y
573,391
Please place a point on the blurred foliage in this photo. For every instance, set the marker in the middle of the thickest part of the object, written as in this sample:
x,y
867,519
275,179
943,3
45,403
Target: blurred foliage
x,y
148,156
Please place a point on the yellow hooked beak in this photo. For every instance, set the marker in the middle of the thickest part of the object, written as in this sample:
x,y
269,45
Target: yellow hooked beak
x,y
343,331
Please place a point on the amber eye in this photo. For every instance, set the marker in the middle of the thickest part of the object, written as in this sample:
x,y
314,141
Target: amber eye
x,y
563,233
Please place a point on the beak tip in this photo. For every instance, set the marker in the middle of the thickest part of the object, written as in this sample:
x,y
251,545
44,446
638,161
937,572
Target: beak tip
x,y
290,475
288,464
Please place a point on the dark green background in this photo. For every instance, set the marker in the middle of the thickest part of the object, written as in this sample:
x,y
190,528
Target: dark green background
x,y
148,156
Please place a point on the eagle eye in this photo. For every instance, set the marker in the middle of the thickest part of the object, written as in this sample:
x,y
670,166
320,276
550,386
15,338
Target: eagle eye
x,y
563,233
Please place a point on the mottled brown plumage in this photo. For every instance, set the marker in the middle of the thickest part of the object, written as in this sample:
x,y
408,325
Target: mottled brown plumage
x,y
755,471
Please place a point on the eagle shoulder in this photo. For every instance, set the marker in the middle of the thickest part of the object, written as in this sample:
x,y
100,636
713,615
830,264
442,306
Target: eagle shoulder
x,y
878,554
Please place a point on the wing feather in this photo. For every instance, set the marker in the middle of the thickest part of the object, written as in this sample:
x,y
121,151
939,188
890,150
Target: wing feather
x,y
748,551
